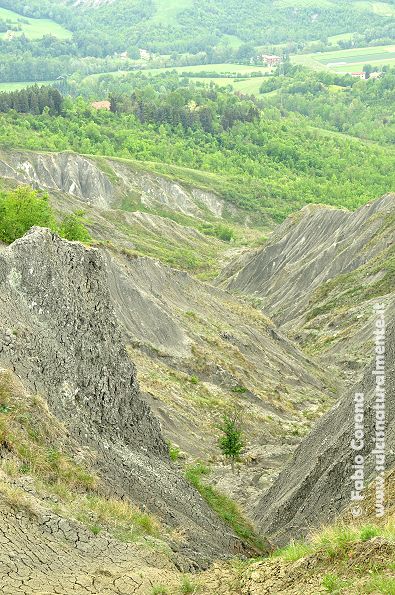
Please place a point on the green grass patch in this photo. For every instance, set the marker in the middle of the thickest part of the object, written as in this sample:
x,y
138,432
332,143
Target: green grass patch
x,y
106,168
167,10
160,590
176,248
332,583
249,85
174,452
32,445
380,583
223,69
8,87
335,541
351,60
351,288
293,551
224,506
120,517
380,8
188,586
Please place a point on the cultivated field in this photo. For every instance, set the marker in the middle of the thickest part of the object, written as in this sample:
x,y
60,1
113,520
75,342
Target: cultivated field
x,y
222,70
33,28
348,60
7,87
380,8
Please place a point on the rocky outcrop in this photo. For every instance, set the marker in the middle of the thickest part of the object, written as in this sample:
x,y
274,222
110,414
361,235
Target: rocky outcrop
x,y
58,332
59,335
317,484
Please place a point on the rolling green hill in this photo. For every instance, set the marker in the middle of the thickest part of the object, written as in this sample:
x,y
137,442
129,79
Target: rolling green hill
x,y
195,25
7,87
43,41
242,78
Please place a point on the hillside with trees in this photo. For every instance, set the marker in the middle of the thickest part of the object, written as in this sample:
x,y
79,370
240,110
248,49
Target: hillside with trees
x,y
257,157
362,108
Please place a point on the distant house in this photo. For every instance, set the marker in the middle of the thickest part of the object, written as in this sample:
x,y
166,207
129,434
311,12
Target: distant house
x,y
358,75
101,105
271,60
145,54
122,55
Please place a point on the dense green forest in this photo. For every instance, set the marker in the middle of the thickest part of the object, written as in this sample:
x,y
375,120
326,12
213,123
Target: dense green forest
x,y
33,100
334,101
361,108
259,158
205,109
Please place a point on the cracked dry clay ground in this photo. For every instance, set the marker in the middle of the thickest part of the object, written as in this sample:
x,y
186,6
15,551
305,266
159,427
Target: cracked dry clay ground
x,y
41,553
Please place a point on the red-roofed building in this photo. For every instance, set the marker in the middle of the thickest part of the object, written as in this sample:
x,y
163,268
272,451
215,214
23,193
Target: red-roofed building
x,y
101,105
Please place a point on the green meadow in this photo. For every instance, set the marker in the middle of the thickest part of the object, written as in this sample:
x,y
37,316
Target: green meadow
x,y
249,86
7,87
33,28
167,10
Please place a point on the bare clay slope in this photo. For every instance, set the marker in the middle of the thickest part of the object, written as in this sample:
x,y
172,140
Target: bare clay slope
x,y
47,513
316,486
103,182
199,351
319,273
58,333
66,172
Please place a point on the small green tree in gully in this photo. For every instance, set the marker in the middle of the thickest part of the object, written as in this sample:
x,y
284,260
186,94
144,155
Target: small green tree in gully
x,y
231,442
